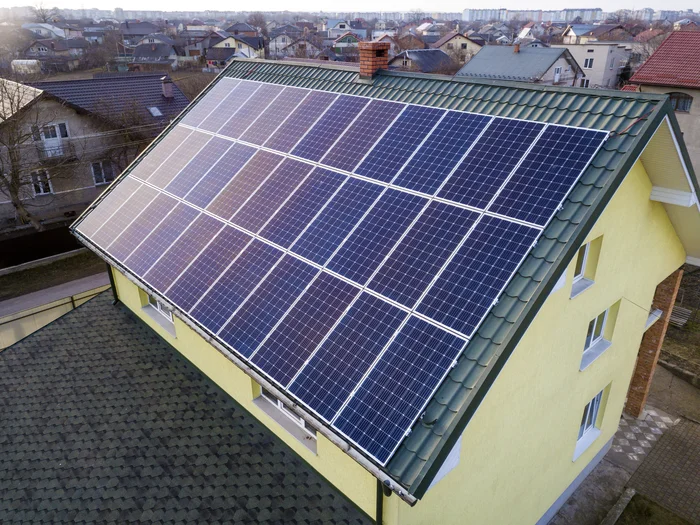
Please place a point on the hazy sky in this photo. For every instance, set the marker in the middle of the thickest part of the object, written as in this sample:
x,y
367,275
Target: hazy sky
x,y
360,5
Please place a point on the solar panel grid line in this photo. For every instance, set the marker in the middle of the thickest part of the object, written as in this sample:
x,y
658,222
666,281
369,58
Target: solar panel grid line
x,y
206,171
282,159
255,236
134,217
349,126
156,176
243,104
88,223
223,97
410,157
263,111
216,108
316,121
289,112
117,207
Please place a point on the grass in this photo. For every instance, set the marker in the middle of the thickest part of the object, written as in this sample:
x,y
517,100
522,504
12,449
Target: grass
x,y
59,272
642,511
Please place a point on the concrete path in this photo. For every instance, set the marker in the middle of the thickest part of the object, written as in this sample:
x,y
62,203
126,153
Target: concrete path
x,y
670,475
34,299
673,395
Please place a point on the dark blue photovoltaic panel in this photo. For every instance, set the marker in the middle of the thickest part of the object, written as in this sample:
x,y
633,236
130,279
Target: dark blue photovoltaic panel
x,y
300,121
202,273
235,284
212,99
183,252
114,225
302,207
270,196
392,397
244,184
223,171
441,152
179,158
304,327
230,106
346,355
143,224
266,306
394,149
251,110
411,267
548,173
274,115
475,277
336,220
362,135
490,162
365,249
322,136
93,221
198,166
161,238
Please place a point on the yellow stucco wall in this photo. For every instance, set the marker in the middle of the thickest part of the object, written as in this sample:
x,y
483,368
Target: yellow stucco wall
x,y
516,453
341,470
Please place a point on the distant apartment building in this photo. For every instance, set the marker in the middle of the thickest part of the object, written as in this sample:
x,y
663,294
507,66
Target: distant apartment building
x,y
537,15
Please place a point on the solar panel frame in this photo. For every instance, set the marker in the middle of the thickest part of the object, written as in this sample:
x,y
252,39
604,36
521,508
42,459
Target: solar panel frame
x,y
230,106
268,122
193,118
250,110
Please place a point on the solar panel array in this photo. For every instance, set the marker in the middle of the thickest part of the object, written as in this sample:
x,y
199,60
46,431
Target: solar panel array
x,y
346,247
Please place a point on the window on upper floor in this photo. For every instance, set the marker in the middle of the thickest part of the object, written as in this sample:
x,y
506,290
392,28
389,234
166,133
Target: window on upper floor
x,y
291,422
228,44
450,46
585,82
102,172
160,308
464,46
599,335
590,50
588,63
596,331
612,63
159,312
681,102
585,266
41,183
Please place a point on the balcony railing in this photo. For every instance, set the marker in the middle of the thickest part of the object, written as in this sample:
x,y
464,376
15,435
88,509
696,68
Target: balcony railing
x,y
50,153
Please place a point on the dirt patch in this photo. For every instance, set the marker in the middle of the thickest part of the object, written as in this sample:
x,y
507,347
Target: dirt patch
x,y
682,347
642,511
42,277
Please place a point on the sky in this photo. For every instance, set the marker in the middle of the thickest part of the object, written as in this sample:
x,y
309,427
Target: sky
x,y
363,5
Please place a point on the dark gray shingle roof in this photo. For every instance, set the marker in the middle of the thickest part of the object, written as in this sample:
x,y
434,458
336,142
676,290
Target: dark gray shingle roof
x,y
503,63
424,60
104,422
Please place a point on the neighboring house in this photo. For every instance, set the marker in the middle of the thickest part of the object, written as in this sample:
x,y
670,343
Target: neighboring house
x,y
424,61
685,25
673,70
346,43
409,41
45,30
582,33
280,41
56,55
644,45
301,48
458,46
244,45
606,64
392,41
411,422
536,65
219,57
94,37
84,133
155,57
132,32
338,28
242,29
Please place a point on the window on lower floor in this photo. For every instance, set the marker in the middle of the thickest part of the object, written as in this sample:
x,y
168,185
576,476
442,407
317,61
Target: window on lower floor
x,y
585,82
599,334
41,183
102,172
160,308
588,63
596,330
681,102
590,416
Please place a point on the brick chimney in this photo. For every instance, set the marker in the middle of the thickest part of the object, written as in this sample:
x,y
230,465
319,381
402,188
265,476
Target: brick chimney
x,y
167,85
373,57
516,48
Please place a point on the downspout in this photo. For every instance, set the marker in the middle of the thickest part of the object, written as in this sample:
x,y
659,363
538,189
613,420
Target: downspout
x,y
380,503
113,285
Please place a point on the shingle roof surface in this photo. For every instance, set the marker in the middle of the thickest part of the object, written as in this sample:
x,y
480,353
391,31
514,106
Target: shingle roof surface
x,y
111,96
102,422
634,114
502,62
676,62
425,60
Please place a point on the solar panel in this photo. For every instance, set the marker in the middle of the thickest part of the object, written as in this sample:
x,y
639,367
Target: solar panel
x,y
352,255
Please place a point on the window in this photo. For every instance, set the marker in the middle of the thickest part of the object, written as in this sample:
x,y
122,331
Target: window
x,y
450,46
240,46
590,415
307,431
155,111
681,102
588,63
464,46
612,63
581,259
41,183
590,50
102,172
585,82
596,331
227,44
160,308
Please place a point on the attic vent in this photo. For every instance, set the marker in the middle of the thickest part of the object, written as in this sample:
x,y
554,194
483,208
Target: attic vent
x,y
155,111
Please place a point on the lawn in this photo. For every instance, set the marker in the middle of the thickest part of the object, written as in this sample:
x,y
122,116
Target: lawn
x,y
642,511
59,272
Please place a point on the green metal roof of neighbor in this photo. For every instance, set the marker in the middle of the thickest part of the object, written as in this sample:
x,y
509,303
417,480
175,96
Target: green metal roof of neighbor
x,y
632,117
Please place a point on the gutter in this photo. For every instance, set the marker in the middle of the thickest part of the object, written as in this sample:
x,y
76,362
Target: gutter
x,y
382,477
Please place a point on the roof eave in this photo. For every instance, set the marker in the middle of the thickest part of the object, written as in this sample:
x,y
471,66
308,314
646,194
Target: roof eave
x,y
422,482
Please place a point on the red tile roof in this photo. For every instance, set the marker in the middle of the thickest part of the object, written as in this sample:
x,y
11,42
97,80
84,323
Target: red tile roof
x,y
675,63
629,87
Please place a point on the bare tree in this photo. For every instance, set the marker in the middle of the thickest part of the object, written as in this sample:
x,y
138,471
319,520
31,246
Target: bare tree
x,y
44,14
257,20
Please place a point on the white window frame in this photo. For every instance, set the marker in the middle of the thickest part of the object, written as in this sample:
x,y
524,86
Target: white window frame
x,y
160,308
585,82
102,164
588,432
36,182
588,63
586,248
279,405
596,325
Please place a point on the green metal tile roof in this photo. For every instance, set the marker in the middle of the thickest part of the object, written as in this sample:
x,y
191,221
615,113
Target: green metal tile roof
x,y
632,117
